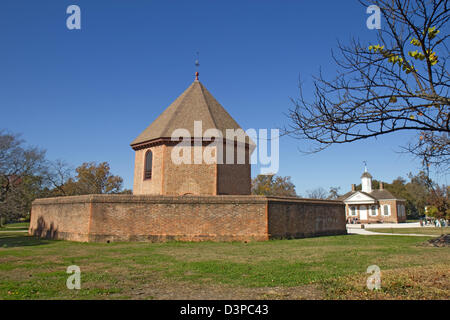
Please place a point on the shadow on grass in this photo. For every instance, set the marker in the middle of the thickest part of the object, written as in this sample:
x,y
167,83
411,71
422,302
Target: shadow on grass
x,y
11,240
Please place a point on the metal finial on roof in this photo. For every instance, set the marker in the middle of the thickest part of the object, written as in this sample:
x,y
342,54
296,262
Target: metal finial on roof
x,y
197,64
365,165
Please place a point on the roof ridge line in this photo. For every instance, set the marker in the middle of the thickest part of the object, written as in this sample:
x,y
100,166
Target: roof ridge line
x,y
209,109
173,115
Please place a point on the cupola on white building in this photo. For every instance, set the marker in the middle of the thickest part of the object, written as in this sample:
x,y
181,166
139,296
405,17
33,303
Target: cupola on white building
x,y
373,206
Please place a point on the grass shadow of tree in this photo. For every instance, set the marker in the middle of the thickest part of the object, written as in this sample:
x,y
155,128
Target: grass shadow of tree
x,y
38,236
15,239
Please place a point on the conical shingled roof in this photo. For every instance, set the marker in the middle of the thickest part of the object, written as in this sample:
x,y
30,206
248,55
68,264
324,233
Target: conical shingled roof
x,y
196,103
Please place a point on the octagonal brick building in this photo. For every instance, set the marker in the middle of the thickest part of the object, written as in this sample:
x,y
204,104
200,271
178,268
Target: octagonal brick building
x,y
155,172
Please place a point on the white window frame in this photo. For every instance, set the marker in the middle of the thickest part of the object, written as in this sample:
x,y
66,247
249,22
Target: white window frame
x,y
351,211
371,211
383,213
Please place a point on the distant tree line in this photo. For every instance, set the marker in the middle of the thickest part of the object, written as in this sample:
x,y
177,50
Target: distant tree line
x,y
420,192
273,185
26,174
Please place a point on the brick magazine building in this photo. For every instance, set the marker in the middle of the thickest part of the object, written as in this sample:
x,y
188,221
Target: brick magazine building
x,y
371,205
192,201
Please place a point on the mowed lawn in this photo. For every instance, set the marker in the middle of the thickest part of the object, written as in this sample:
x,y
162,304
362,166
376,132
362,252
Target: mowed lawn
x,y
423,230
316,268
15,226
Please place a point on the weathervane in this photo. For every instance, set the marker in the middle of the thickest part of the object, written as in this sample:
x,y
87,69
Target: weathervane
x,y
197,64
365,165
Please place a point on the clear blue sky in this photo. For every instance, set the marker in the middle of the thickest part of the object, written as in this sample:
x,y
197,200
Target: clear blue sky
x,y
84,95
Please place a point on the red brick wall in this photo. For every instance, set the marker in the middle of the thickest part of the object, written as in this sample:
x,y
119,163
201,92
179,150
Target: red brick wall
x,y
154,218
234,179
392,218
188,218
153,185
181,179
305,218
180,218
61,218
169,178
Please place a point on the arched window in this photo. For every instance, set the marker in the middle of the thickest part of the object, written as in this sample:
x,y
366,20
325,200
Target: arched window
x,y
353,211
386,210
148,165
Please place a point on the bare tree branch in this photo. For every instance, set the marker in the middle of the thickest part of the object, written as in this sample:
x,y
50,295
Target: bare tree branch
x,y
399,83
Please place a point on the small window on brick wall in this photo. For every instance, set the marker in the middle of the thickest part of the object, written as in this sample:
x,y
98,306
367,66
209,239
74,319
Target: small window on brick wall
x,y
148,165
373,210
386,210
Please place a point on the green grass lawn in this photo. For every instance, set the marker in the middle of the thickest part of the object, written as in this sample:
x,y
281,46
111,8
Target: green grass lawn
x,y
316,268
15,226
422,230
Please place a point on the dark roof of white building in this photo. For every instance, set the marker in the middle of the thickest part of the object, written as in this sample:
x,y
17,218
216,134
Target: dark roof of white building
x,y
377,194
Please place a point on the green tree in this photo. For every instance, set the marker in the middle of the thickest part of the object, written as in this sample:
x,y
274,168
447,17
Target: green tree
x,y
439,201
19,167
334,193
271,185
18,202
418,189
93,178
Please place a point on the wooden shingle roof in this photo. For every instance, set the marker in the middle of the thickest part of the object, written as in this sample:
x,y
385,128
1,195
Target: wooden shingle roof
x,y
196,103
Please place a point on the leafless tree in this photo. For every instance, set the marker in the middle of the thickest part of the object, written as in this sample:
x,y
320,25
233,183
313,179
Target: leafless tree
x,y
57,175
397,83
318,193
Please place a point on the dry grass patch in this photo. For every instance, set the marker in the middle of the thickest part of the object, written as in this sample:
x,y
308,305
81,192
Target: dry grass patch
x,y
423,283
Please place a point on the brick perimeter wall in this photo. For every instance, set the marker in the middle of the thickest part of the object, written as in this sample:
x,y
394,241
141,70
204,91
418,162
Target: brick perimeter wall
x,y
305,218
189,218
61,219
151,218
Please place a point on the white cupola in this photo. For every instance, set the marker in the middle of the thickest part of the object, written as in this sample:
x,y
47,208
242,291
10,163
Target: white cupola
x,y
366,181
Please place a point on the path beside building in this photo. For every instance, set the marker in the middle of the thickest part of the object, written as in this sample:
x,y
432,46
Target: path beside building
x,y
371,233
360,229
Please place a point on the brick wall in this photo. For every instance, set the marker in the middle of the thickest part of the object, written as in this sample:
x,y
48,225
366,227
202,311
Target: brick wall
x,y
153,185
305,218
234,178
188,218
61,218
169,178
181,179
392,218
